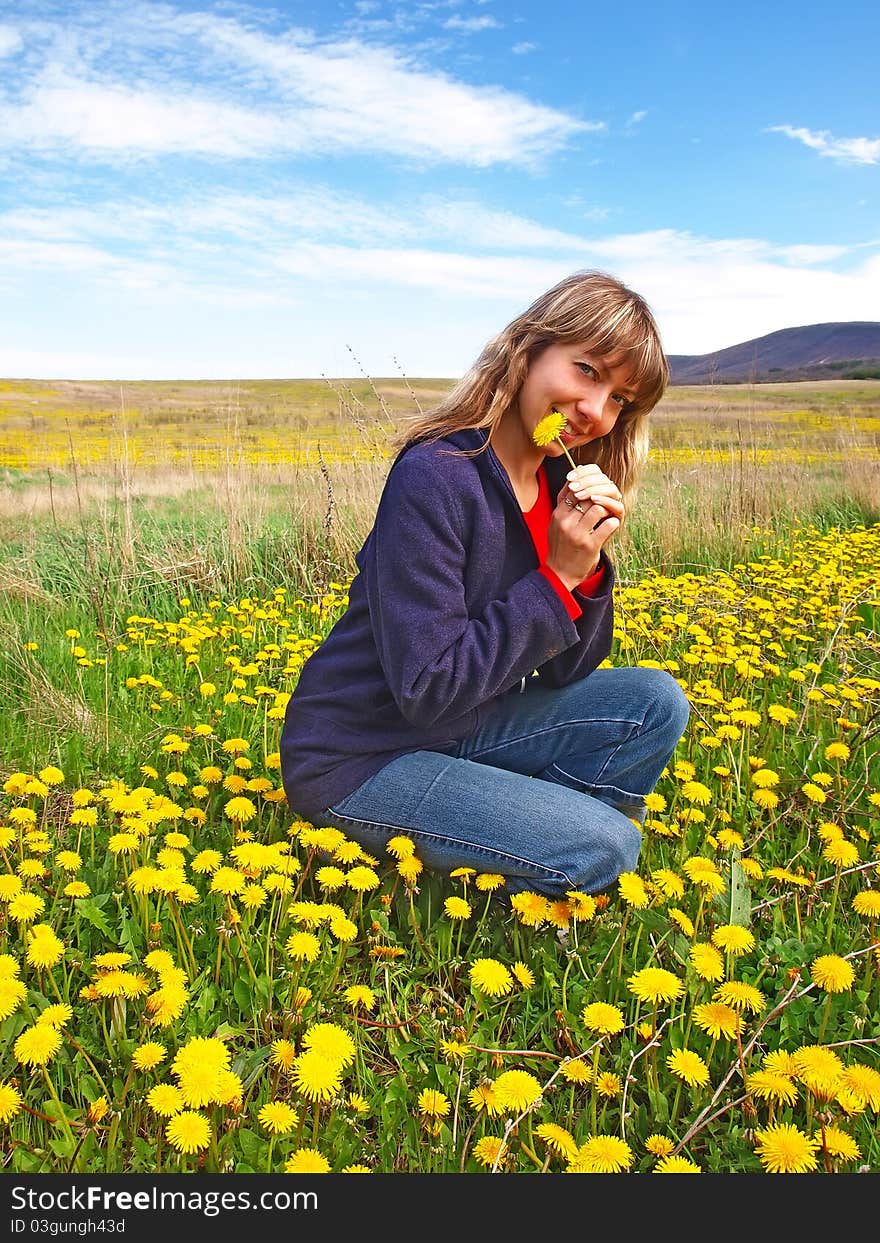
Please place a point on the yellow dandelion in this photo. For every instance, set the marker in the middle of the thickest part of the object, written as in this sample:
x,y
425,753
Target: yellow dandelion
x,y
654,984
676,1165
689,1067
278,1118
549,428
457,908
604,1019
524,977
491,977
783,1149
516,1090
717,1020
37,1045
488,1150
188,1131
733,939
740,996
832,973
659,1145
602,1154
433,1104
632,890
317,1077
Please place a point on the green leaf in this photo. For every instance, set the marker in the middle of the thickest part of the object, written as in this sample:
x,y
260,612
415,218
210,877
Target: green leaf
x,y
89,909
734,905
242,994
252,1147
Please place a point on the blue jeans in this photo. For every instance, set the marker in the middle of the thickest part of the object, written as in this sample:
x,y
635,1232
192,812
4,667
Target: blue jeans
x,y
544,792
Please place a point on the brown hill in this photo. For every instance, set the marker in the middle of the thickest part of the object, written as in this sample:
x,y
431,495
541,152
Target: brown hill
x,y
841,351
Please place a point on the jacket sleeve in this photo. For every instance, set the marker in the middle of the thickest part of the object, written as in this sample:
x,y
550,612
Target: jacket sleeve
x,y
441,663
595,628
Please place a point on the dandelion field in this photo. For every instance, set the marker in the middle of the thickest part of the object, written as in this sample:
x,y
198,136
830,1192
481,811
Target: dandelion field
x,y
194,978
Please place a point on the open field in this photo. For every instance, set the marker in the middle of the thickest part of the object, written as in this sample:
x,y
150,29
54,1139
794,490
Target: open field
x,y
192,977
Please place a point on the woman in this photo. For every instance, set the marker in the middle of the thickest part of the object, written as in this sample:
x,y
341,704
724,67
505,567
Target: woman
x,y
487,563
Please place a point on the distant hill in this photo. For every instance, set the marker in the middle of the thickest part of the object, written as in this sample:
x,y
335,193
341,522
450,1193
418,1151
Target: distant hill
x,y
842,351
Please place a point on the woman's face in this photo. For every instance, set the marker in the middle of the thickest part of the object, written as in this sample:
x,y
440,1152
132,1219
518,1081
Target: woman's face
x,y
589,390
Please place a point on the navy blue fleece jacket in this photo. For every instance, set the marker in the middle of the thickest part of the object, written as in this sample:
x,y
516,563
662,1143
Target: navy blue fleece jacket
x,y
447,613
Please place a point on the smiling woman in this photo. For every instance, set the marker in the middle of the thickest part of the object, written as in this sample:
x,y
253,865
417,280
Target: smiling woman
x,y
487,564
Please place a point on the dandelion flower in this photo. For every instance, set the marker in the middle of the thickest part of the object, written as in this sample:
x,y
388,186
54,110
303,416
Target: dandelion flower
x,y
488,882
278,1118
531,909
604,1019
488,1150
769,1085
783,1149
733,939
491,977
832,973
523,975
303,946
10,1101
332,1042
516,1090
867,903
401,847
316,1076
632,890
602,1154
307,1161
457,908
839,1145
433,1104
37,1045
149,1055
654,984
44,948
557,1139
676,1165
863,1082
550,428
682,920
360,995
608,1085
57,1015
362,879
689,1067
717,1019
188,1131
576,1070
482,1098
659,1145
740,996
240,810
668,882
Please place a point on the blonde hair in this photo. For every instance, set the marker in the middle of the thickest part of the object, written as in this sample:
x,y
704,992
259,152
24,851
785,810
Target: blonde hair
x,y
592,309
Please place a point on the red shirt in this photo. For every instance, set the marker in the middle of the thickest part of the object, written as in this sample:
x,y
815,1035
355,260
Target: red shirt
x,y
538,521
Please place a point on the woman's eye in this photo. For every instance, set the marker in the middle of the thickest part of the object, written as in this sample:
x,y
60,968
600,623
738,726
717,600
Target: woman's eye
x,y
588,369
622,401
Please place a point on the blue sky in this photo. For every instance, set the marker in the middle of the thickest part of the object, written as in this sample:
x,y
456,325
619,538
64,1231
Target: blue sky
x,y
224,190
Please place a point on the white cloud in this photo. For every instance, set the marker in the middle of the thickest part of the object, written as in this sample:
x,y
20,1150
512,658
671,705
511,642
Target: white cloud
x,y
471,25
10,41
520,49
251,94
844,150
636,117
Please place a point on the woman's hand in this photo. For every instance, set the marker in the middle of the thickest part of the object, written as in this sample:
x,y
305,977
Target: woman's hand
x,y
589,510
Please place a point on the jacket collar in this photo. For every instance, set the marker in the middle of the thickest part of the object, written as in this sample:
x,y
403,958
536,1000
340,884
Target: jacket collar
x,y
471,438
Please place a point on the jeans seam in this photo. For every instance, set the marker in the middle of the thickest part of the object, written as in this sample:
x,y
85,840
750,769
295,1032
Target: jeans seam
x,y
561,725
590,787
474,847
